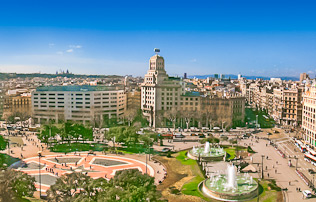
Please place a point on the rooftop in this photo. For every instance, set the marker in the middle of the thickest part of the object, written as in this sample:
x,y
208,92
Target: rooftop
x,y
76,88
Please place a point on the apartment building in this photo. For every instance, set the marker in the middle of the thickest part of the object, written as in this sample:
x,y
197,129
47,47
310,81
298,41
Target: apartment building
x,y
85,104
17,101
309,116
161,93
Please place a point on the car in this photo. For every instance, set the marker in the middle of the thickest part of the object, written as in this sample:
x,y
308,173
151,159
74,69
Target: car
x,y
307,193
180,136
165,150
201,135
269,133
193,134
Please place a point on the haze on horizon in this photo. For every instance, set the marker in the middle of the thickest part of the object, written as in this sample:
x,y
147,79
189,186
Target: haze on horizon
x,y
255,38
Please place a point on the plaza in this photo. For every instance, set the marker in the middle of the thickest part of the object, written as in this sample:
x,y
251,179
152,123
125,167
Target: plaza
x,y
95,166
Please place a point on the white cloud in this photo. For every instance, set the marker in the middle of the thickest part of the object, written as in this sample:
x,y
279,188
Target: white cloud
x,y
75,46
193,60
51,45
60,52
70,50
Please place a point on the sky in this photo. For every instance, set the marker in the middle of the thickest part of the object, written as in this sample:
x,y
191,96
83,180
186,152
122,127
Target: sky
x,y
254,38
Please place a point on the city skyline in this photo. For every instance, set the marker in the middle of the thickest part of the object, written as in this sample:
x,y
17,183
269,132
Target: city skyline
x,y
270,39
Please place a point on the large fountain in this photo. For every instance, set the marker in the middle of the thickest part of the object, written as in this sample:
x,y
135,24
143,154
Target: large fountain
x,y
207,153
230,186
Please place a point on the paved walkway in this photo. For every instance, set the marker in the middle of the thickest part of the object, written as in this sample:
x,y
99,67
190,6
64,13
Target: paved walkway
x,y
95,166
277,168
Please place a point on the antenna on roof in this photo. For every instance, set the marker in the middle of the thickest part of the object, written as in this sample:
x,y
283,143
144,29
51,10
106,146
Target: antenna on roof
x,y
157,50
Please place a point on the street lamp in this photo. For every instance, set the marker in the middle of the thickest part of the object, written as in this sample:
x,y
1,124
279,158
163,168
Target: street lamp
x,y
39,172
262,156
296,162
258,190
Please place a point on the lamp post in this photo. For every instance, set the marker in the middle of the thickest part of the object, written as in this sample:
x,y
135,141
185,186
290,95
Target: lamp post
x,y
256,121
146,160
258,191
296,162
262,156
39,172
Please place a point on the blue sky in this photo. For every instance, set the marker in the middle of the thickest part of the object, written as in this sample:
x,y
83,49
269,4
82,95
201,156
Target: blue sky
x,y
263,38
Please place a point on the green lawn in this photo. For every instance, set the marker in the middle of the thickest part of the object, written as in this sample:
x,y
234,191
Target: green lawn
x,y
267,195
76,147
191,187
251,118
4,158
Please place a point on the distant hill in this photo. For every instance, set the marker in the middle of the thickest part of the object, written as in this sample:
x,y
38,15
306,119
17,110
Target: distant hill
x,y
233,76
32,75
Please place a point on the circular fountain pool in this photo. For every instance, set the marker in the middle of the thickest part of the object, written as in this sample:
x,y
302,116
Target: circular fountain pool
x,y
207,153
230,186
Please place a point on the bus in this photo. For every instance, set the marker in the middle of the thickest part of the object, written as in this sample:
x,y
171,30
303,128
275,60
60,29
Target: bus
x,y
300,145
310,158
311,152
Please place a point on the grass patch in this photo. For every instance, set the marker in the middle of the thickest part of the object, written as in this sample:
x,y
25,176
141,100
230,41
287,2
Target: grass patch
x,y
191,187
250,150
231,153
6,159
72,147
269,192
182,157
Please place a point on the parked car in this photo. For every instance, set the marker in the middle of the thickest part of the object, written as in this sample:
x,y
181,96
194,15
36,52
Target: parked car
x,y
165,150
193,134
201,135
307,193
180,136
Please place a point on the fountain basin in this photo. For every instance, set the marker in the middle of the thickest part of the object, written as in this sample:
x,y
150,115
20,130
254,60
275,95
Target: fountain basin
x,y
207,153
246,189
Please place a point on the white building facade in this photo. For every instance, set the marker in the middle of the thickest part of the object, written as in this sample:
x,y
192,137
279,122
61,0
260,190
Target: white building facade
x,y
84,104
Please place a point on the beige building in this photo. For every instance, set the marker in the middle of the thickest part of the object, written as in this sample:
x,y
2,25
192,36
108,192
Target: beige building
x,y
161,94
133,99
309,116
85,104
18,102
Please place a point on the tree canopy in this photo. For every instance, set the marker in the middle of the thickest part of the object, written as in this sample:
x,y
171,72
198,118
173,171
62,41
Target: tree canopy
x,y
15,184
126,186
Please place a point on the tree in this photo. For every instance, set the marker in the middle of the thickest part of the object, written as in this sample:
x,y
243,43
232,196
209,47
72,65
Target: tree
x,y
172,116
48,131
187,115
3,143
212,140
15,184
130,115
125,186
233,141
126,135
70,186
135,186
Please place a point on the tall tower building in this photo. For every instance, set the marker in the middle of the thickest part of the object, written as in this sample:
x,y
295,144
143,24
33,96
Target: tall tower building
x,y
159,92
